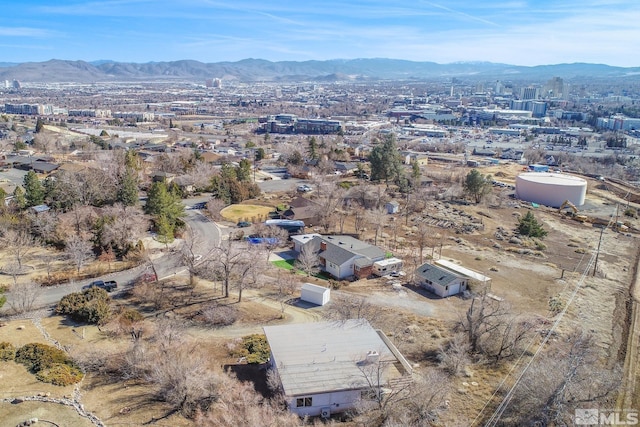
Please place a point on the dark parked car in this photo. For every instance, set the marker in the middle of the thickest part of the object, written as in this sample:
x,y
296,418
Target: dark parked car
x,y
243,224
108,286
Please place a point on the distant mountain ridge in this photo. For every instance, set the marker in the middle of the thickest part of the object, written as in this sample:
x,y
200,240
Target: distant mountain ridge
x,y
249,70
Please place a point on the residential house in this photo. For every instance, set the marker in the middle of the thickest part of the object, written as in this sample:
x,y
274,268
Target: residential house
x,y
299,240
327,367
441,281
344,256
409,157
302,209
445,278
346,168
512,154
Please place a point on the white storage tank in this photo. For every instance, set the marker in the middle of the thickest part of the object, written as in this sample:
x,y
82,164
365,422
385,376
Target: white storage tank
x,y
551,189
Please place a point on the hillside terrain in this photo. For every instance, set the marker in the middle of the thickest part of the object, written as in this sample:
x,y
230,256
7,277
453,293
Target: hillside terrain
x,y
261,70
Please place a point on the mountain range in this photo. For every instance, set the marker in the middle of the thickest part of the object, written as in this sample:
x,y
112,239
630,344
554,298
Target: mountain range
x,y
251,70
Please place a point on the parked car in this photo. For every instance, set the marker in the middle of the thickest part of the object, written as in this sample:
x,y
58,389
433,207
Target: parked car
x,y
108,286
304,188
243,224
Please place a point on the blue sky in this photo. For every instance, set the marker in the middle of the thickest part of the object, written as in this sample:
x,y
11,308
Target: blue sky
x,y
515,32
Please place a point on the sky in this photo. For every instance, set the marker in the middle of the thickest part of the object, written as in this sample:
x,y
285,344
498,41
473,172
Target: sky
x,y
535,32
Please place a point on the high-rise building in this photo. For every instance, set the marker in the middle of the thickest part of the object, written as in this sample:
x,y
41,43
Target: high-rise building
x,y
529,93
556,88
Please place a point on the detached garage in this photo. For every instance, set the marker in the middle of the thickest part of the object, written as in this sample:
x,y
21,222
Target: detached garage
x,y
315,294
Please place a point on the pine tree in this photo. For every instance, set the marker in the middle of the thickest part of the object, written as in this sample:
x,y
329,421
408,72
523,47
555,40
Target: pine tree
x,y
385,161
128,189
34,190
528,225
18,198
477,185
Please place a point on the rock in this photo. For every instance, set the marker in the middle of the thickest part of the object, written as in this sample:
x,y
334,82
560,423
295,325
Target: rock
x,y
17,400
20,327
468,372
515,241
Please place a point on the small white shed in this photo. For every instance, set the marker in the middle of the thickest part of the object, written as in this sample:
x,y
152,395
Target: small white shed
x,y
392,207
315,294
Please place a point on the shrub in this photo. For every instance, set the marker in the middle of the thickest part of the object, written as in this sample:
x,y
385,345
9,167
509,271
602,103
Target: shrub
x,y
7,351
36,356
91,306
60,374
631,212
254,348
130,315
220,315
50,364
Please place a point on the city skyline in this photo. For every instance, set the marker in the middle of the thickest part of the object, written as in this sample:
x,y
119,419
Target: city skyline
x,y
512,32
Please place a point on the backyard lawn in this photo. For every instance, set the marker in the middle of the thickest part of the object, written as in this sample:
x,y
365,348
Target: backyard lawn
x,y
252,213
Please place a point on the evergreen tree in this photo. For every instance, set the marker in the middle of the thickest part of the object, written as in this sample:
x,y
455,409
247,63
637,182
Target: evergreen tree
x,y
528,226
385,161
477,185
415,174
243,171
164,229
39,125
34,190
18,198
128,189
164,205
313,148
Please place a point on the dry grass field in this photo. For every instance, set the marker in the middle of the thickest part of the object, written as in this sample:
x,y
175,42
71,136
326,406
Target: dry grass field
x,y
242,212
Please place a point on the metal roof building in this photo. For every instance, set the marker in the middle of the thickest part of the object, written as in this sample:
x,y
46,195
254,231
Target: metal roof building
x,y
322,362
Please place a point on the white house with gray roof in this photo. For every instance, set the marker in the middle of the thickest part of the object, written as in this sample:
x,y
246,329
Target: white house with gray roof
x,y
343,256
325,367
440,280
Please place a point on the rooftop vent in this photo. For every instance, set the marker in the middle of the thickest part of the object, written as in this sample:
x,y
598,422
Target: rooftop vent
x,y
372,356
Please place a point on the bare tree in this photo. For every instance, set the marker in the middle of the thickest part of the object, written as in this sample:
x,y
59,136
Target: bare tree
x,y
328,203
123,226
422,236
287,285
190,257
377,218
352,307
359,216
492,329
238,400
567,376
23,296
232,262
454,357
273,237
19,243
214,206
78,251
308,259
430,393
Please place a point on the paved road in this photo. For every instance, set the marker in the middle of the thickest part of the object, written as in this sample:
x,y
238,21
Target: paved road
x,y
167,264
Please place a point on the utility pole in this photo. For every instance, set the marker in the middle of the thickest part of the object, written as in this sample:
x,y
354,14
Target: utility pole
x,y
595,264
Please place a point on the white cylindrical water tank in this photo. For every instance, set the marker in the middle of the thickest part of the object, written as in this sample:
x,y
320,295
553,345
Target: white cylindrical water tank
x,y
551,189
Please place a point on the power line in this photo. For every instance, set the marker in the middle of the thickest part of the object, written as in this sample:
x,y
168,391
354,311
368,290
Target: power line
x,y
497,414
